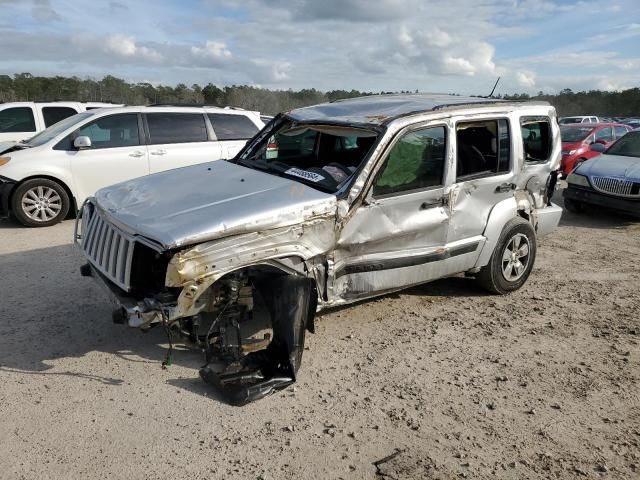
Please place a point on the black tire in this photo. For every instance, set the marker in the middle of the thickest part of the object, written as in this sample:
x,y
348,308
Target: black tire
x,y
572,206
50,208
492,277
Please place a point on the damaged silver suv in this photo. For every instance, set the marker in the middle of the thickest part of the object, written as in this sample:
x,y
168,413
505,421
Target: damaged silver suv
x,y
328,205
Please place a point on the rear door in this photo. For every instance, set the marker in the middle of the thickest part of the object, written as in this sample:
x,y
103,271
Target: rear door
x,y
17,123
178,140
232,131
484,175
117,153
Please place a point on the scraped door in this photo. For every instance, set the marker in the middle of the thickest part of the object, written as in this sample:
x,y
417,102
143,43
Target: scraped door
x,y
397,238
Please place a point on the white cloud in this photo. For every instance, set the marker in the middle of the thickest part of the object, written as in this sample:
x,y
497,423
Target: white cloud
x,y
126,46
526,79
212,51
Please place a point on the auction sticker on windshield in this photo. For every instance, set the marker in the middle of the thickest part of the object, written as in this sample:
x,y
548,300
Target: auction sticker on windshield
x,y
312,177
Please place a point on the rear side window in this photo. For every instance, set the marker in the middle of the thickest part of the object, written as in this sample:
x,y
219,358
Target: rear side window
x,y
415,162
17,119
176,128
232,127
484,148
55,114
536,139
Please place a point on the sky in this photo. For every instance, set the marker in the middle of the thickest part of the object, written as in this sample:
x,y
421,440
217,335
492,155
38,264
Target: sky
x,y
447,46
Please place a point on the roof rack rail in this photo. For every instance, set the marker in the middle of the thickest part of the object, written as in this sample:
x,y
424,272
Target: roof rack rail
x,y
197,105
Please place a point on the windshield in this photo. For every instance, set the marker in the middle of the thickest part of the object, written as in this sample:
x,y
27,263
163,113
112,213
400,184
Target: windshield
x,y
323,156
574,134
628,146
56,129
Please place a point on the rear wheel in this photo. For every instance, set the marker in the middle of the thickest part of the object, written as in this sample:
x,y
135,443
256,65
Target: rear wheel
x,y
40,202
512,259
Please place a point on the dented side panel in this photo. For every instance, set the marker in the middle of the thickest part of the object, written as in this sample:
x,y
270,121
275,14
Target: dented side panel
x,y
287,249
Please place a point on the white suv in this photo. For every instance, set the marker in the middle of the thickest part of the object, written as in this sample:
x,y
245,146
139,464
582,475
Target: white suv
x,y
45,177
20,120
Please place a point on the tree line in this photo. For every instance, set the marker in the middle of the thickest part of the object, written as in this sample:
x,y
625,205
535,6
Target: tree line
x,y
27,87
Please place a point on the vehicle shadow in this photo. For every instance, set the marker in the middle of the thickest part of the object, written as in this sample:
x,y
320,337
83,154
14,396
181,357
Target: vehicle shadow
x,y
49,312
593,216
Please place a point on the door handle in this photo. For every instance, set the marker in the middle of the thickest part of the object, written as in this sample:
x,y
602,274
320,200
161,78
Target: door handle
x,y
505,187
160,151
136,154
441,202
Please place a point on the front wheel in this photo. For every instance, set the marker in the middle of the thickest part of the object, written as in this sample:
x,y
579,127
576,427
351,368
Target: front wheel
x,y
512,259
40,202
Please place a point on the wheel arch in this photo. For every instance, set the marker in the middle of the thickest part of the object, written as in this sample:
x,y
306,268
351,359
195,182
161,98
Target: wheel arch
x,y
190,303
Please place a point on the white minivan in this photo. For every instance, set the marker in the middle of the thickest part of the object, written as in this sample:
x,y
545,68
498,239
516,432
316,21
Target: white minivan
x,y
21,120
52,173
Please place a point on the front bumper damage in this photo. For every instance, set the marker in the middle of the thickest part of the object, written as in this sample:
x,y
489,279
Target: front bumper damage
x,y
291,303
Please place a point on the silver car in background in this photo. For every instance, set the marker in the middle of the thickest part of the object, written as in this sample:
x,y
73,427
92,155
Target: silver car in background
x,y
328,205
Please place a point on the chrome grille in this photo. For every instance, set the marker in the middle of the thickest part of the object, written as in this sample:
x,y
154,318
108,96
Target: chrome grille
x,y
108,249
616,186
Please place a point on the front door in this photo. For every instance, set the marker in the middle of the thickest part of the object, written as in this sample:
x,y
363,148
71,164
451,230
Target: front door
x,y
397,237
117,153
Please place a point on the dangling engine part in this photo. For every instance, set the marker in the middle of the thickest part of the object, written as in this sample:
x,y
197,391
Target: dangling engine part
x,y
253,332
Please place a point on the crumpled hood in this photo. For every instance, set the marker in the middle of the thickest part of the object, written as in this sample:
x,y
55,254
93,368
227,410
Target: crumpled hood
x,y
611,166
207,201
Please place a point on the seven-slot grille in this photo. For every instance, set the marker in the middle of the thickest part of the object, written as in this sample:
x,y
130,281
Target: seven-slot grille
x,y
108,249
616,186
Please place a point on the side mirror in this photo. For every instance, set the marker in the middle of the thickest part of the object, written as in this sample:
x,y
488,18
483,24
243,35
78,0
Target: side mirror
x,y
82,142
597,147
601,141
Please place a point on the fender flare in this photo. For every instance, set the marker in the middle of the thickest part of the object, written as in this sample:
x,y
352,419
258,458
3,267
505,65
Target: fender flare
x,y
500,214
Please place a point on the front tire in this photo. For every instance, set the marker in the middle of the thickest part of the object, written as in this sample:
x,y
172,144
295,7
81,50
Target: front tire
x,y
512,259
40,202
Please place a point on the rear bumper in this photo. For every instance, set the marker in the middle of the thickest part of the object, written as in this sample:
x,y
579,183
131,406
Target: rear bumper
x,y
6,187
548,219
591,197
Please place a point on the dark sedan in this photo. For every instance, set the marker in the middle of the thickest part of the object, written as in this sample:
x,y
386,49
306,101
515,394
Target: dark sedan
x,y
611,180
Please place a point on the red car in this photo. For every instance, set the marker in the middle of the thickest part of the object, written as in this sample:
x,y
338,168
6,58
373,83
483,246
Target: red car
x,y
577,138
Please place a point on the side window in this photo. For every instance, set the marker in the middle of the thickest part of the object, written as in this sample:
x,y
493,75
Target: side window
x,y
106,132
484,148
176,128
17,119
605,134
620,132
232,127
55,114
536,138
416,161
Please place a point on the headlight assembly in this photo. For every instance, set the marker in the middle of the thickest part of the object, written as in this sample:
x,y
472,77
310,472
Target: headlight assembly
x,y
577,179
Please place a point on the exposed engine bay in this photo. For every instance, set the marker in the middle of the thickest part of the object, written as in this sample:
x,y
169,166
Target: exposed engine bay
x,y
252,332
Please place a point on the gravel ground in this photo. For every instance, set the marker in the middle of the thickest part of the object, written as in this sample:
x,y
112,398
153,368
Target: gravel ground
x,y
543,383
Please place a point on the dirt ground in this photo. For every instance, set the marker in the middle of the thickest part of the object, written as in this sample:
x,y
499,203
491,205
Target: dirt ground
x,y
543,383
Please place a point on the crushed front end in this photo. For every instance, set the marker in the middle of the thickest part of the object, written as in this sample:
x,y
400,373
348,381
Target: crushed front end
x,y
249,323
